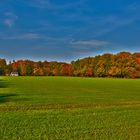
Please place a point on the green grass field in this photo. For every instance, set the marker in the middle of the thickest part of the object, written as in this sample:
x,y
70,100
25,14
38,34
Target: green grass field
x,y
64,108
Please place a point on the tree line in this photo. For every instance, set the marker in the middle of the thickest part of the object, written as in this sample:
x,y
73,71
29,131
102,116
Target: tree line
x,y
121,65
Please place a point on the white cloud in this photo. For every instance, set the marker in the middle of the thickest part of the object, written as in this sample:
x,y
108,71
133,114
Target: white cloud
x,y
10,14
86,46
30,36
26,36
9,22
51,5
10,19
36,3
90,42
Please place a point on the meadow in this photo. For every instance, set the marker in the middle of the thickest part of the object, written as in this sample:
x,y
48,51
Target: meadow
x,y
67,108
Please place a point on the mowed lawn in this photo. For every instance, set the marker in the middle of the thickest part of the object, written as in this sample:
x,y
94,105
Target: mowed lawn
x,y
64,108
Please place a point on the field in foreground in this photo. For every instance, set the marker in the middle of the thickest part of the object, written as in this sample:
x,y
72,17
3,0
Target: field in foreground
x,y
66,108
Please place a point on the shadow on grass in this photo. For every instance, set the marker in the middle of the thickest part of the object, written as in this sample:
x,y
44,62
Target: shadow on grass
x,y
5,97
4,84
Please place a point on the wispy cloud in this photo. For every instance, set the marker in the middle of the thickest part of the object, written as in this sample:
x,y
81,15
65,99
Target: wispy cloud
x,y
8,22
97,26
84,46
108,24
43,4
90,42
10,19
68,5
26,36
94,26
35,3
134,6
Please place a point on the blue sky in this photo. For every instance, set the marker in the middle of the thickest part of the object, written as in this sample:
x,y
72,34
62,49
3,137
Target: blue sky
x,y
65,30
